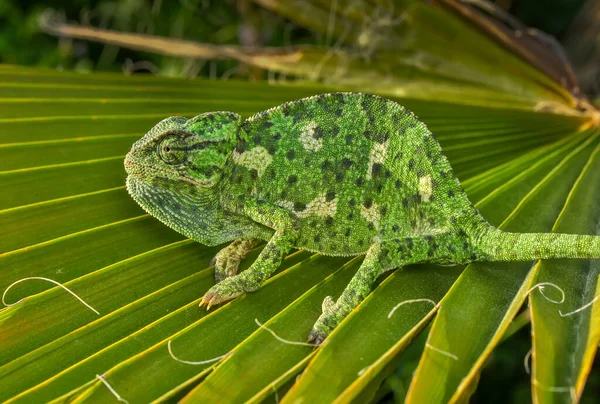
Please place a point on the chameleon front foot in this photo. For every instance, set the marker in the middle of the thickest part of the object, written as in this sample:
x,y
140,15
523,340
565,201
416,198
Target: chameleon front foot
x,y
228,289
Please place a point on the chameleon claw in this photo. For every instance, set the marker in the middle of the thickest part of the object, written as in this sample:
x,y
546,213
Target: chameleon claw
x,y
315,338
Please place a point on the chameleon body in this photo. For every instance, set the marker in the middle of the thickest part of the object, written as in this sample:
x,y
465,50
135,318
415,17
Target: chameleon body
x,y
338,174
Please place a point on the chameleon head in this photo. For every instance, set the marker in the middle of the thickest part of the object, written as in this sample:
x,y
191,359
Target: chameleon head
x,y
180,150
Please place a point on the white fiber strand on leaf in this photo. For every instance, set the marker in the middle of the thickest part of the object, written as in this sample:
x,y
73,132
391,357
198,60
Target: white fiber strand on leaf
x,y
396,307
585,306
555,389
109,387
448,354
526,361
540,286
48,280
278,338
205,362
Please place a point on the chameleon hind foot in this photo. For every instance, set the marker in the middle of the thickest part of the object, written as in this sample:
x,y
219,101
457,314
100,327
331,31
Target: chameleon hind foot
x,y
326,323
227,261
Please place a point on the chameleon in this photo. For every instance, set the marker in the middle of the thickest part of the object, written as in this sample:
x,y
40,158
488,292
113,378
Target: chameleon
x,y
341,174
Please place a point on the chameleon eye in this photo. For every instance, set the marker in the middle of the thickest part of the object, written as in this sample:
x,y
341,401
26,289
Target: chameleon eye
x,y
172,150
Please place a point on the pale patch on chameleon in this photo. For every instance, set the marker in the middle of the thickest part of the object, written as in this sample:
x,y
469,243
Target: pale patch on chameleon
x,y
258,159
371,214
289,205
308,139
425,188
380,184
378,156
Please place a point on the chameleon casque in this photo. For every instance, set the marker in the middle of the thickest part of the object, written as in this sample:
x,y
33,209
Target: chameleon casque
x,y
338,174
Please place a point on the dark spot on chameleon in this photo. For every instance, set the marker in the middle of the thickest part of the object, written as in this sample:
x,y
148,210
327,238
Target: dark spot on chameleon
x,y
253,173
443,173
292,179
451,249
318,132
368,203
383,210
291,154
409,242
371,226
350,216
435,246
348,231
430,253
330,196
270,174
285,109
339,112
317,238
473,257
339,176
365,104
271,149
267,124
256,139
351,202
326,165
360,181
387,173
398,184
411,164
241,146
398,156
429,238
277,136
376,169
349,139
299,206
329,221
383,254
465,246
382,137
432,222
405,202
283,194
379,188
335,130
453,219
450,193
347,163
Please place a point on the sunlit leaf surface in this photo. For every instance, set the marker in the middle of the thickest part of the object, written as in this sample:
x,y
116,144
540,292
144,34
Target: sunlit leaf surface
x,y
65,215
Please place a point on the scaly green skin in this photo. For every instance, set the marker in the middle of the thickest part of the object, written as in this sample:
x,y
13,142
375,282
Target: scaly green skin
x,y
338,174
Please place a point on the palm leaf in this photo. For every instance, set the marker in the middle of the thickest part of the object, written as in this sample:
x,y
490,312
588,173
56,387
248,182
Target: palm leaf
x,y
66,216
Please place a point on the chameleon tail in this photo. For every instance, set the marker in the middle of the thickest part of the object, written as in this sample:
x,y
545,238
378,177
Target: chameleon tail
x,y
503,246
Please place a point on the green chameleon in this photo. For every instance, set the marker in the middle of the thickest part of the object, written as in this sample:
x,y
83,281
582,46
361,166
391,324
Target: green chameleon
x,y
339,174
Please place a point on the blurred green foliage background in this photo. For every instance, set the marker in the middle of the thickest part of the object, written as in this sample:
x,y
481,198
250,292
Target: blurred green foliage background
x,y
211,21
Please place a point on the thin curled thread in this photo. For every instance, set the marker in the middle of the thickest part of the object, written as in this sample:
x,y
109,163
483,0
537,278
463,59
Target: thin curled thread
x,y
579,309
526,361
396,307
109,387
218,358
448,354
570,389
428,345
48,280
278,338
541,286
